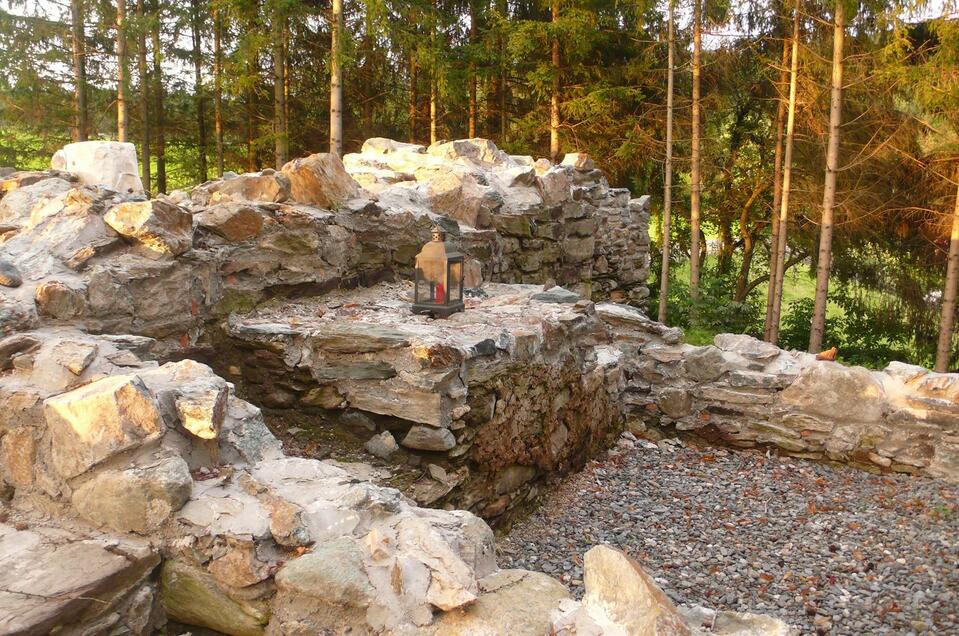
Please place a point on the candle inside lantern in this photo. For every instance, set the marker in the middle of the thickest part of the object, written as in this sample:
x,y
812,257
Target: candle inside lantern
x,y
440,293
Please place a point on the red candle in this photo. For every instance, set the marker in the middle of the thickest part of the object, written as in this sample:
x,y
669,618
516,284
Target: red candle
x,y
440,293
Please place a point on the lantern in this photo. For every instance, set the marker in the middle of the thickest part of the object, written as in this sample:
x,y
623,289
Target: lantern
x,y
439,278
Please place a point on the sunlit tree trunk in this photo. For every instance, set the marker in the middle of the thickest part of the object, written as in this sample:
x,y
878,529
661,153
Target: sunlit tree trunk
x,y
668,178
777,188
472,72
947,321
252,72
829,190
121,46
434,74
195,24
503,9
336,80
695,176
79,70
554,98
158,114
414,97
778,275
218,86
144,96
279,88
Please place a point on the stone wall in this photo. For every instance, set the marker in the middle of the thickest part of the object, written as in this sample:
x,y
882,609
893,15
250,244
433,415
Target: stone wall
x,y
748,393
522,385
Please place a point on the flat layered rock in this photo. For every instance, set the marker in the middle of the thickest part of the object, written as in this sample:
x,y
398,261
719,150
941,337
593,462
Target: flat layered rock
x,y
49,579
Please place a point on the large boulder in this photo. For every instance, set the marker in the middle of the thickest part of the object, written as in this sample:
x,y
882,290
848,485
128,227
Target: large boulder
x,y
160,228
267,186
618,591
193,596
98,420
136,499
233,221
111,164
836,392
320,180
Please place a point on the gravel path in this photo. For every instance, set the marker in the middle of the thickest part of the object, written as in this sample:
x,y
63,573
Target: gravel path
x,y
828,549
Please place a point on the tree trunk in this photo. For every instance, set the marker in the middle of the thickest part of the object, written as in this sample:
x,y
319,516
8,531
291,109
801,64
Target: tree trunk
x,y
279,88
252,73
503,9
158,114
947,321
79,71
695,176
749,245
336,80
554,98
779,273
668,178
218,87
472,72
777,188
829,190
434,74
121,45
144,96
414,98
197,16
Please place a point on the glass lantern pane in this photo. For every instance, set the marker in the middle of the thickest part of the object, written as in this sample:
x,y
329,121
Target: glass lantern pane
x,y
424,289
455,276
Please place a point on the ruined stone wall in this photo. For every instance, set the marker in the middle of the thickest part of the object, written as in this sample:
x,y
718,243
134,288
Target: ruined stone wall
x,y
748,393
520,386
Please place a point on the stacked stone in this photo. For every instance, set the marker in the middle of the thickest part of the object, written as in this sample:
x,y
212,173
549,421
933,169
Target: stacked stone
x,y
520,386
749,393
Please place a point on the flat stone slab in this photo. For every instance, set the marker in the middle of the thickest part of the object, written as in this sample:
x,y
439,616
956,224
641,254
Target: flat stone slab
x,y
49,578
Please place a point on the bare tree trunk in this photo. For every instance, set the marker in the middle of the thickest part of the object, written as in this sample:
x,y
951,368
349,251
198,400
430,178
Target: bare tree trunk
x,y
778,275
472,77
79,71
777,189
947,321
144,95
252,72
218,87
198,90
554,98
434,74
336,80
503,9
279,88
121,45
668,178
695,176
749,245
158,114
829,190
414,97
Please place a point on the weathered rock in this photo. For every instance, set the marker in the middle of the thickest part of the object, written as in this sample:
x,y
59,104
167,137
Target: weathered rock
x,y
705,364
476,150
99,420
382,445
9,274
136,499
831,390
193,596
557,295
233,221
734,623
162,229
618,589
513,602
579,160
18,450
58,300
267,186
201,405
747,346
111,164
429,438
53,582
321,180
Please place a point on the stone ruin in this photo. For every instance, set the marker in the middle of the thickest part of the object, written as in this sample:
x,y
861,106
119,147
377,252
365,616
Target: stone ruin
x,y
141,338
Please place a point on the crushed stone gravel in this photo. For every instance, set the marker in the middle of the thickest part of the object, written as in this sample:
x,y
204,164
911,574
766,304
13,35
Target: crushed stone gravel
x,y
829,549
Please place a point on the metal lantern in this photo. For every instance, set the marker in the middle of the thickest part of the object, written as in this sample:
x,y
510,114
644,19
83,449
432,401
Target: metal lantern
x,y
439,278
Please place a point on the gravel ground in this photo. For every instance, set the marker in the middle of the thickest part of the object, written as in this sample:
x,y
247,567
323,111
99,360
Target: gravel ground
x,y
828,549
